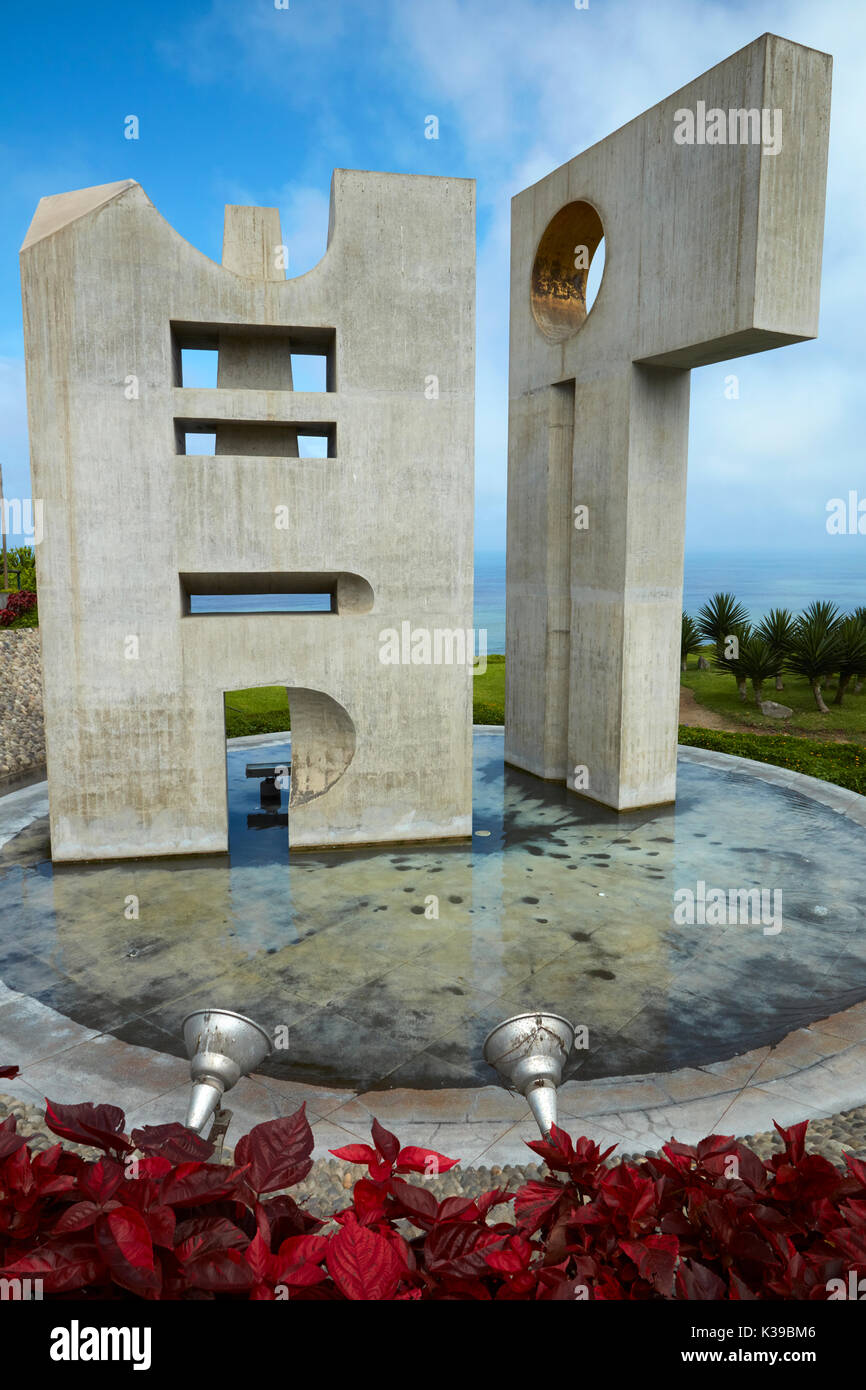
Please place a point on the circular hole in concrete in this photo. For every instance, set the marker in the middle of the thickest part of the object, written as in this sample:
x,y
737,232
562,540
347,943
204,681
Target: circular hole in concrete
x,y
567,270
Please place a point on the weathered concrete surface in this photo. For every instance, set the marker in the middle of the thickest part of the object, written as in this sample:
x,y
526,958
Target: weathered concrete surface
x,y
135,742
22,737
711,251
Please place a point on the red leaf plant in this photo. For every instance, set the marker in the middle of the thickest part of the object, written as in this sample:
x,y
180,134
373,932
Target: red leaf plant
x,y
17,603
153,1219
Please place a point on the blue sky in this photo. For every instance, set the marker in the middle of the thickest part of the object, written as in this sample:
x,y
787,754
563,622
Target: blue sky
x,y
241,102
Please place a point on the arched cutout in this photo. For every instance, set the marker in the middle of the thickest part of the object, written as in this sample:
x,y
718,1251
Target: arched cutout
x,y
323,744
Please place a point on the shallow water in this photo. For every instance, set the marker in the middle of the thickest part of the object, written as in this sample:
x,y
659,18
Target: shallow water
x,y
554,904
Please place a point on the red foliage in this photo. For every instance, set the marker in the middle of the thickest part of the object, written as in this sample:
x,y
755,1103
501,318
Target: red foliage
x,y
16,605
153,1219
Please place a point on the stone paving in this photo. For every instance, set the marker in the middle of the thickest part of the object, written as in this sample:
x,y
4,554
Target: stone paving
x,y
812,1070
814,1073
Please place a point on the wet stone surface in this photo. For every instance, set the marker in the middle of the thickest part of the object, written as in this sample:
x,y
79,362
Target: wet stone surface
x,y
556,903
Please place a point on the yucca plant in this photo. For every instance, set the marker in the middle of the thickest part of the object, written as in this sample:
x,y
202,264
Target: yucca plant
x,y
815,648
822,611
852,656
860,615
728,655
721,617
690,640
777,629
758,661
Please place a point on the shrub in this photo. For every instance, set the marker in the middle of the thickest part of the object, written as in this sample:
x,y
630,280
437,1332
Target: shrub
x,y
17,605
706,1222
483,712
690,639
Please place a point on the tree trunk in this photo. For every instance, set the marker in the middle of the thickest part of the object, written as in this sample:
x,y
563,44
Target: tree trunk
x,y
758,688
684,666
844,682
858,686
741,686
779,685
819,699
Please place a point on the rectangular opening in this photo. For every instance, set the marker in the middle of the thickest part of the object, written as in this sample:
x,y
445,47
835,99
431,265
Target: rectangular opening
x,y
195,443
204,594
256,439
199,367
312,446
262,357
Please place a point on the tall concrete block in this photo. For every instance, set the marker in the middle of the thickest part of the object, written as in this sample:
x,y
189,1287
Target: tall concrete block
x,y
135,527
711,206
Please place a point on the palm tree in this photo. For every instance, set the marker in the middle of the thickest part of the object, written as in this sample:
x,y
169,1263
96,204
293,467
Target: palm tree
x,y
852,657
721,617
860,614
690,640
814,649
777,629
728,655
758,660
823,612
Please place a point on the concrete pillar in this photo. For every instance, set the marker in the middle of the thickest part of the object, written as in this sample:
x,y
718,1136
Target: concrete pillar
x,y
252,243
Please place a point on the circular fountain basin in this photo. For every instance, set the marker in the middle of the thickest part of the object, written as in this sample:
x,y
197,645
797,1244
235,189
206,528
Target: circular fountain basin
x,y
386,968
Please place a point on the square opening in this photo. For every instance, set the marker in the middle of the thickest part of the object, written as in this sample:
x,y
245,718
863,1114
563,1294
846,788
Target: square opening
x,y
198,367
310,371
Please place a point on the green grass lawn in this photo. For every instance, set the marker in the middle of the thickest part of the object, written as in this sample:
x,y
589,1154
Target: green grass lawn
x,y
842,763
829,746
717,690
488,693
265,708
262,710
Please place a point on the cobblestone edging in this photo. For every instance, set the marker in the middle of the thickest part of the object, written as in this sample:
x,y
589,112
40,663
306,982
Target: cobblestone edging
x,y
326,1185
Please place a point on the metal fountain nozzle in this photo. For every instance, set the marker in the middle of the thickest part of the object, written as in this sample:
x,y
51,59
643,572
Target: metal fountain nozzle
x,y
529,1051
222,1047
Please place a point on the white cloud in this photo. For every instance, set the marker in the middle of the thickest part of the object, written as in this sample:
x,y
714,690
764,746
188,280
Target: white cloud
x,y
247,43
534,86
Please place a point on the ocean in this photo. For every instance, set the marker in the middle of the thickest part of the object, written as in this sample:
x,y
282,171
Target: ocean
x,y
760,581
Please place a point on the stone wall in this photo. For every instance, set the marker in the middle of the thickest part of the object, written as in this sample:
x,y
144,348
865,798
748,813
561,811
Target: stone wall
x,y
22,737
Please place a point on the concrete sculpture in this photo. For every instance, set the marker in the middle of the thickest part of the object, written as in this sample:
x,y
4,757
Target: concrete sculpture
x,y
135,528
711,206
